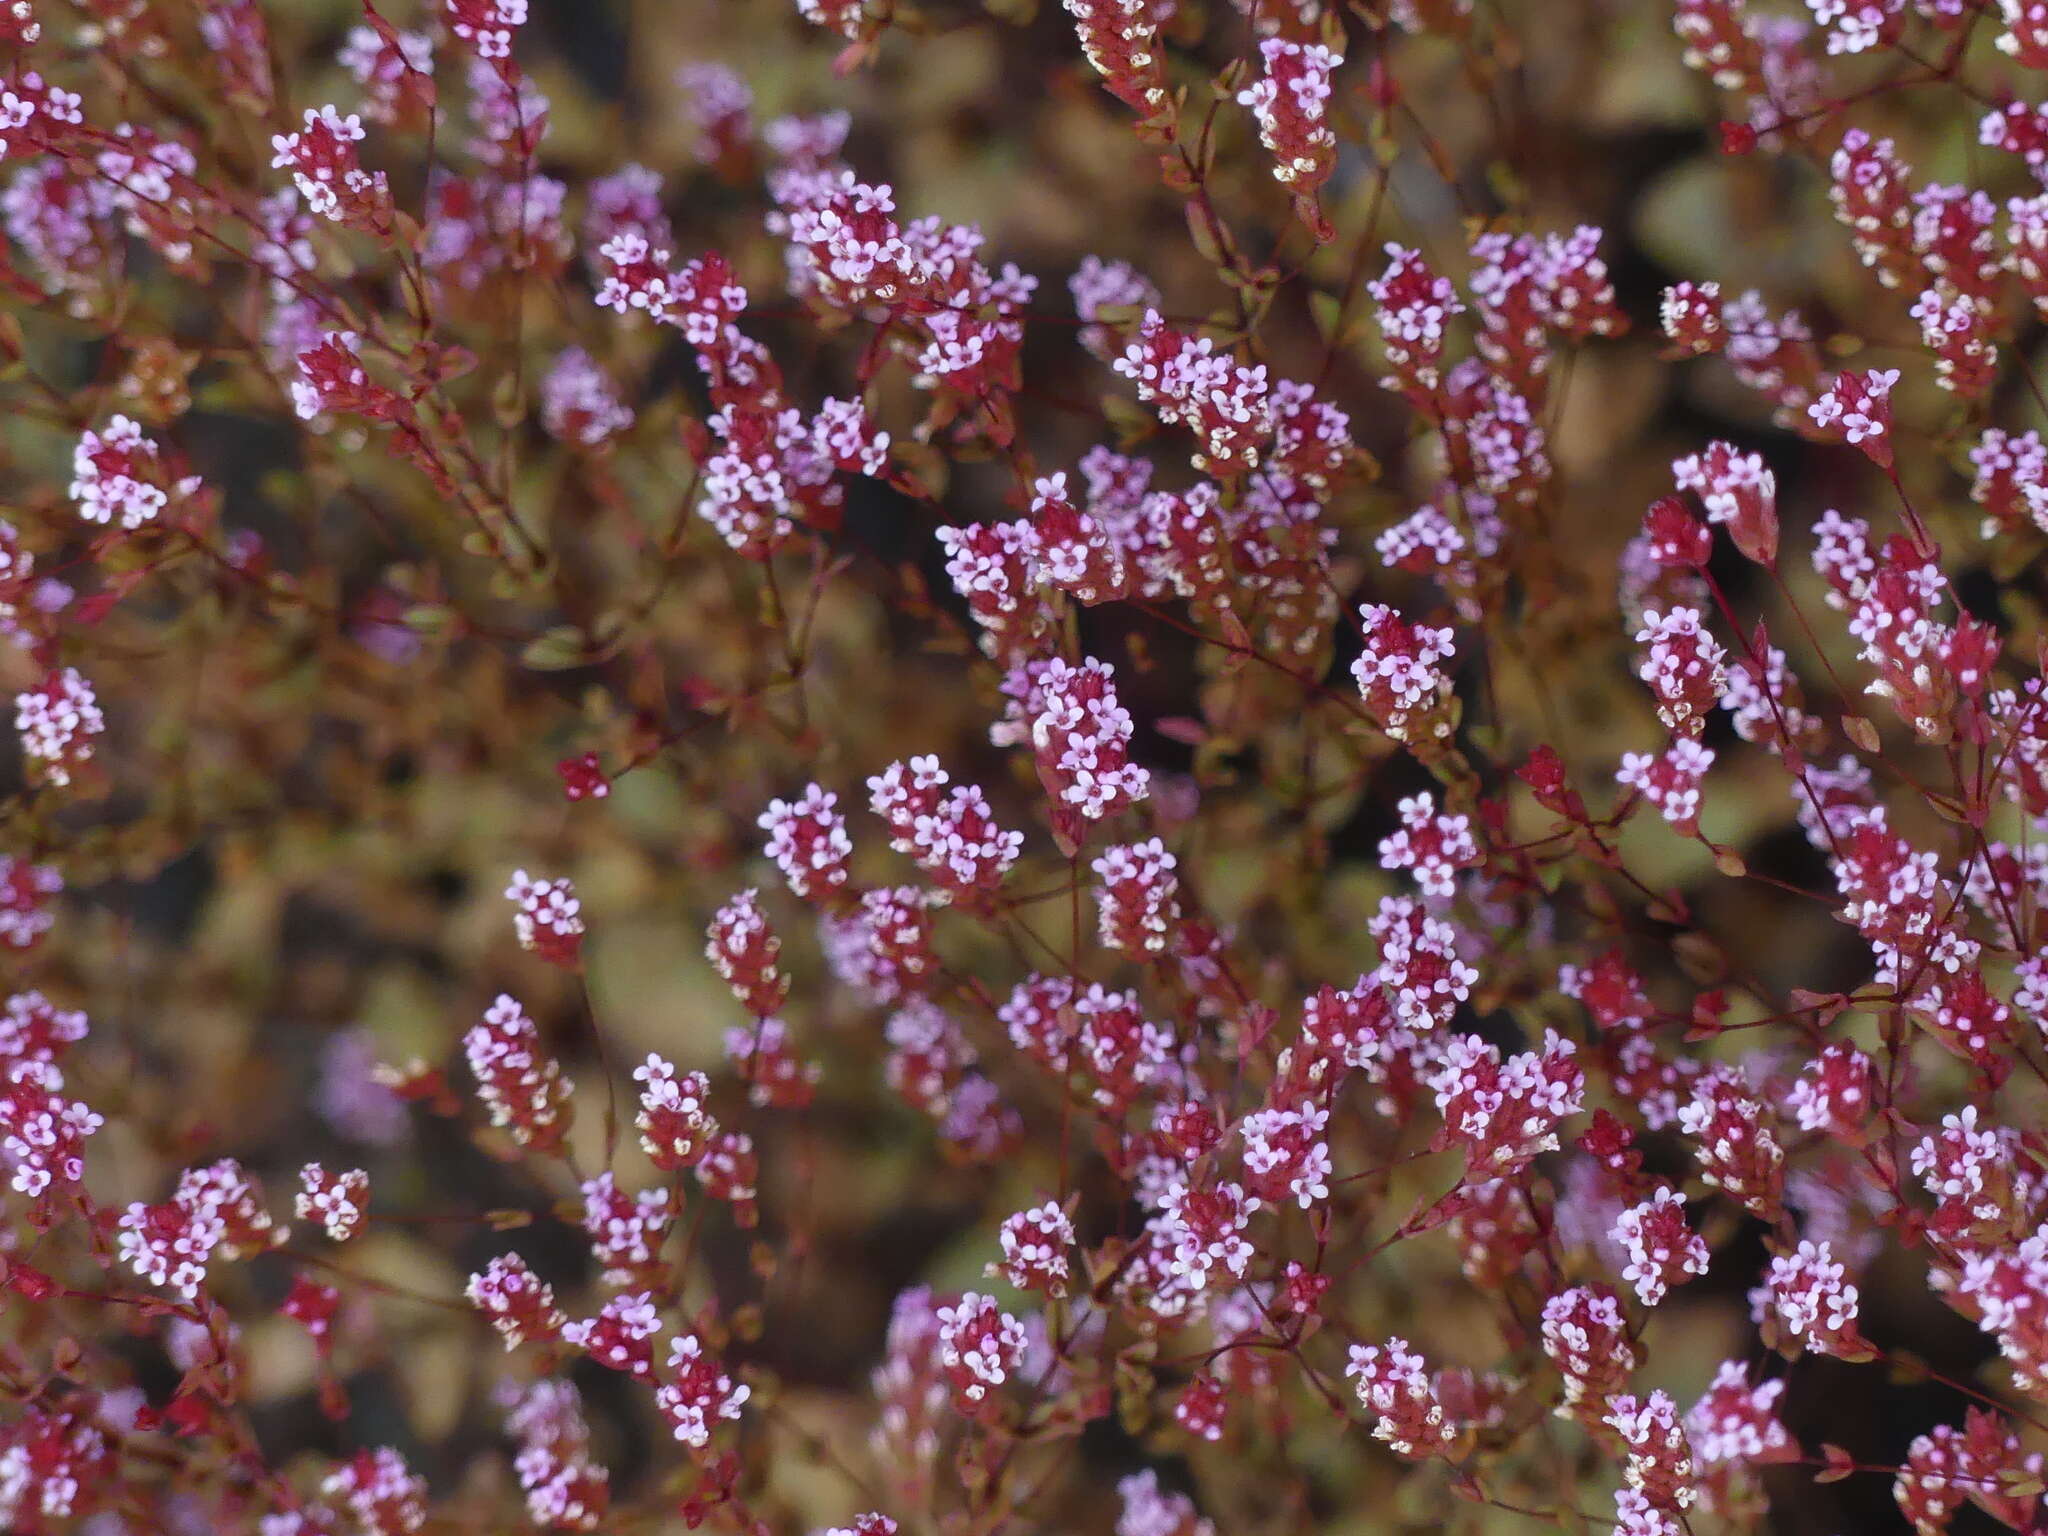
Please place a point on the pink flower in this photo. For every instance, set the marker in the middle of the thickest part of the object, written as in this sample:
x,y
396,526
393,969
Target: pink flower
x,y
1081,734
980,1347
1393,1384
698,1394
519,1305
1812,1302
1662,1250
322,159
1857,408
338,1201
1434,847
808,842
58,722
1289,104
521,1085
1035,1244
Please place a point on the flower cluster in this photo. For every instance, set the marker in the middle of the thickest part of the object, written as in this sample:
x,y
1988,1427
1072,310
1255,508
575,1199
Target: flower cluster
x,y
335,1200
1289,104
58,721
546,917
520,1083
1081,735
1460,794
325,167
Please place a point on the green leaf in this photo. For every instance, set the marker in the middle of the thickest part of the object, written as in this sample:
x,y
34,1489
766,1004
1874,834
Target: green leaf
x,y
433,619
560,648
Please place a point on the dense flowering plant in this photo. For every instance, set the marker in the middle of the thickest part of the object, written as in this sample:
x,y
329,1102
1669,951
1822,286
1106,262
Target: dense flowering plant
x,y
874,767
